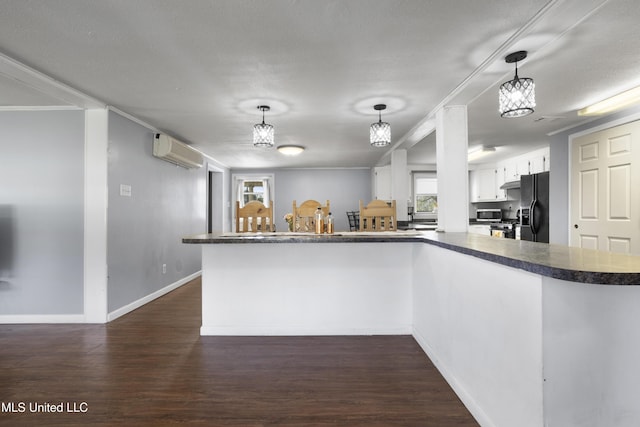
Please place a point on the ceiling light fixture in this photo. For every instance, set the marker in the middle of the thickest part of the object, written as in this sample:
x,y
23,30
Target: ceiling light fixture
x,y
380,132
617,102
517,97
263,132
290,150
477,153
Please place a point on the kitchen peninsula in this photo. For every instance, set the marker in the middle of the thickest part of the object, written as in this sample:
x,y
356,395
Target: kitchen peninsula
x,y
527,334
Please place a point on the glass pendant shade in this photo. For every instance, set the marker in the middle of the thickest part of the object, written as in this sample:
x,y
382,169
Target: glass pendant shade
x,y
263,134
517,97
380,132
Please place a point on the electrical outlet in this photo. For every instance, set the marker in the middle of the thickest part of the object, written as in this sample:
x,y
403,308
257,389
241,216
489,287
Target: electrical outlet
x,y
164,268
125,190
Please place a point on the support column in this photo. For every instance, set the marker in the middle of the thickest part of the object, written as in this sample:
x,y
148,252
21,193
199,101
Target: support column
x,y
95,215
453,174
399,182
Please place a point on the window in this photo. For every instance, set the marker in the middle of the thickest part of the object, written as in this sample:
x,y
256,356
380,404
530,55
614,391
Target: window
x,y
248,188
426,203
252,190
425,195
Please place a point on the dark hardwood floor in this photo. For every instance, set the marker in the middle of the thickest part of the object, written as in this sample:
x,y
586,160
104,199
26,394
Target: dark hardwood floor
x,y
151,367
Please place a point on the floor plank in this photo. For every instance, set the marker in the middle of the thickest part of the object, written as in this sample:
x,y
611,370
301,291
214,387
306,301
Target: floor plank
x,y
151,367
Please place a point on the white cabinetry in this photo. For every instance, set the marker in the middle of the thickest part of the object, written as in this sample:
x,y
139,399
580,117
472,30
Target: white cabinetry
x,y
523,166
483,229
533,162
510,168
539,161
501,178
482,185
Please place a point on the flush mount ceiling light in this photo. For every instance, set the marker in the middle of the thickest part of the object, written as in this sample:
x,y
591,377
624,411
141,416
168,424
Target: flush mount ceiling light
x,y
290,150
617,102
380,132
263,132
517,97
477,153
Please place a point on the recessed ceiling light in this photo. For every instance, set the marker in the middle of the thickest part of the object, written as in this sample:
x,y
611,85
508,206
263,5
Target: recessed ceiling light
x,y
290,150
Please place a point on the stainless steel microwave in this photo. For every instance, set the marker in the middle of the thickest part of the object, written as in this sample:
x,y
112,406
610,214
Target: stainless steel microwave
x,y
488,215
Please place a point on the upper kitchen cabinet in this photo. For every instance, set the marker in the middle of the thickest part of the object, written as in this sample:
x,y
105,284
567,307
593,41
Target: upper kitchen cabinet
x,y
539,161
485,185
482,185
526,164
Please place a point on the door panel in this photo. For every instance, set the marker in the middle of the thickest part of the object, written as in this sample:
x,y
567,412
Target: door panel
x,y
588,242
589,195
619,244
605,203
620,192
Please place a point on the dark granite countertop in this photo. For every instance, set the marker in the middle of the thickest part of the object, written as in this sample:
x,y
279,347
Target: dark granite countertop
x,y
285,237
557,261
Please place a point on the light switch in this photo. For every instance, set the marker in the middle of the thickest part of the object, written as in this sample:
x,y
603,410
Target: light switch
x,y
125,190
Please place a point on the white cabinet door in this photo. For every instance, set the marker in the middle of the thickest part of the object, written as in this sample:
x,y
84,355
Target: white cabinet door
x,y
511,171
523,167
485,230
538,163
500,179
540,160
483,185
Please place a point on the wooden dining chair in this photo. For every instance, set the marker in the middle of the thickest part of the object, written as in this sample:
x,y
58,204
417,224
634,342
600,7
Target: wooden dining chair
x,y
304,215
254,217
378,215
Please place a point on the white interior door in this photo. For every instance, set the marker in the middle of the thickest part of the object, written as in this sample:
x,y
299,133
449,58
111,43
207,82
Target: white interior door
x,y
605,190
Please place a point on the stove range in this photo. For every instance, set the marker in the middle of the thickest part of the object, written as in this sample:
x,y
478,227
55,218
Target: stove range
x,y
506,229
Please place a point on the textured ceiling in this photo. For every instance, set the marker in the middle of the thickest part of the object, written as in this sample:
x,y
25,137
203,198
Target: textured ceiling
x,y
197,70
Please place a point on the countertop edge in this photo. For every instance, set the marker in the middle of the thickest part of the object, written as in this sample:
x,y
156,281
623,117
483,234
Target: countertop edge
x,y
461,243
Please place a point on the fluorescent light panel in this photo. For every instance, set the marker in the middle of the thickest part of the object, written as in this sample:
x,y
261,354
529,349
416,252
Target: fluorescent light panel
x,y
617,102
480,152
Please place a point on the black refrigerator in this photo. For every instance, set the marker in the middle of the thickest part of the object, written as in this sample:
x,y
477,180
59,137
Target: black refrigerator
x,y
534,207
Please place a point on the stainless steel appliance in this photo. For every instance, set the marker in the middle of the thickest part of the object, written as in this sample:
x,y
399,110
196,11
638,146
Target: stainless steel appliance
x,y
489,215
534,207
505,229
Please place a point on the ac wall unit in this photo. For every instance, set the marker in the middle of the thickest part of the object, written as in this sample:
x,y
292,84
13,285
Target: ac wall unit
x,y
174,151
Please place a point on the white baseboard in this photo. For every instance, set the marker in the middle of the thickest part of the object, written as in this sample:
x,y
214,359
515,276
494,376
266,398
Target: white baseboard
x,y
41,318
468,401
80,318
294,331
147,299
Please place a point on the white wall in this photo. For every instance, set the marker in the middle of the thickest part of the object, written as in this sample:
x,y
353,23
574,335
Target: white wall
x,y
481,326
591,353
41,215
145,230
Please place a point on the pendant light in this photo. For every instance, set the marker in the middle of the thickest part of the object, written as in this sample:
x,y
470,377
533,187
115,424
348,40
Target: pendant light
x,y
517,97
380,132
263,132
